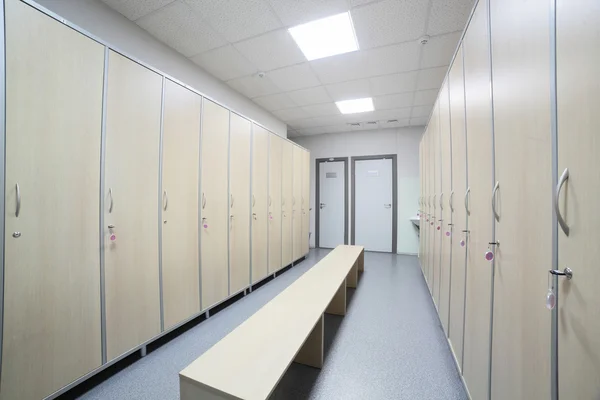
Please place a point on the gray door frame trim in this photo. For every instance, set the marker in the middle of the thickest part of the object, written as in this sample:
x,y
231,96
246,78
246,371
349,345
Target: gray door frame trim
x,y
318,162
393,157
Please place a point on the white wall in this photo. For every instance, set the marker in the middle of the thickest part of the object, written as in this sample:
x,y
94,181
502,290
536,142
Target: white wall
x,y
404,142
100,20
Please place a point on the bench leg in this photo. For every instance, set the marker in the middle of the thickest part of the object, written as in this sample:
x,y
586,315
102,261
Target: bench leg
x,y
361,261
338,303
352,278
311,353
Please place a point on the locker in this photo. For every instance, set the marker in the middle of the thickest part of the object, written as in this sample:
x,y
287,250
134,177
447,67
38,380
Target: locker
x,y
240,136
434,142
480,176
131,204
260,194
459,205
214,205
286,203
296,203
305,201
180,174
275,216
52,265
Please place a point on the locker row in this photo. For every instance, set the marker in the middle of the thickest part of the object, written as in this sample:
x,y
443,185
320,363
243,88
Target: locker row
x,y
509,184
132,204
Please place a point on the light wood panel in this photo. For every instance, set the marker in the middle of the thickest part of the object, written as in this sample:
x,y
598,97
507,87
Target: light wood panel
x,y
52,271
444,202
296,203
459,216
260,211
180,174
521,326
305,201
578,57
249,362
132,155
275,217
240,135
435,197
425,229
214,210
480,150
286,203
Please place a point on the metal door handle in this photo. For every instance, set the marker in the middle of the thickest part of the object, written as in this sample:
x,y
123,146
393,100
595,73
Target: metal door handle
x,y
451,202
441,201
496,187
283,201
434,197
231,200
18,210
466,200
567,273
269,200
253,200
563,178
203,200
293,200
165,200
110,208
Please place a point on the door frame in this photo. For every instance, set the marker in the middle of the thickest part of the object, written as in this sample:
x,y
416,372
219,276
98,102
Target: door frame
x,y
318,162
393,157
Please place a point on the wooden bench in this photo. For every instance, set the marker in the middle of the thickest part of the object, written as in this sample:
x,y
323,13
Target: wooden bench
x,y
249,362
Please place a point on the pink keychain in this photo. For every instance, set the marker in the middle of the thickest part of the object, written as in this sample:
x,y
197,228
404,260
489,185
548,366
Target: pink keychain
x,y
113,237
550,296
462,243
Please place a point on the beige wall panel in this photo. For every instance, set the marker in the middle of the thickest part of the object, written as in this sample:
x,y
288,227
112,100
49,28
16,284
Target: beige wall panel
x,y
52,271
305,201
214,210
296,202
521,326
260,194
275,217
239,203
286,202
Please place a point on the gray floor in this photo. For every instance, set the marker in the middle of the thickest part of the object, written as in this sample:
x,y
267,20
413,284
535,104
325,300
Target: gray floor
x,y
390,344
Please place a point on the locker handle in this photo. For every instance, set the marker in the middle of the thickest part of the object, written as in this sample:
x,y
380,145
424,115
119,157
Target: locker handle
x,y
563,178
269,200
18,210
253,200
203,200
451,202
441,201
231,200
466,200
110,208
496,187
434,197
165,200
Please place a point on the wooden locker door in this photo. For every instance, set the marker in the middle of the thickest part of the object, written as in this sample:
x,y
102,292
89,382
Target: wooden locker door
x,y
214,205
54,79
459,215
436,191
425,227
578,57
480,150
240,135
275,149
421,202
286,203
523,146
444,203
260,193
131,204
305,201
180,175
296,206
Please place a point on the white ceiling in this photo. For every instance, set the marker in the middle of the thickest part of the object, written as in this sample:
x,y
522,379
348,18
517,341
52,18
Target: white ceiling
x,y
235,39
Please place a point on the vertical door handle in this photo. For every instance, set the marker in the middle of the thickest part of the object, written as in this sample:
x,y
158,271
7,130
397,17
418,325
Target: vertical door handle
x,y
269,200
496,187
451,202
18,209
231,200
434,197
203,200
110,208
165,200
467,200
253,200
441,201
563,178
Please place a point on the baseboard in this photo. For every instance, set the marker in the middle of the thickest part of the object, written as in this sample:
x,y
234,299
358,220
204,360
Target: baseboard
x,y
407,254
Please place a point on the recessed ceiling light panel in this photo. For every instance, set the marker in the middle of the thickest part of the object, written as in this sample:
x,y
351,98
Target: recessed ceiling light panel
x,y
355,106
326,37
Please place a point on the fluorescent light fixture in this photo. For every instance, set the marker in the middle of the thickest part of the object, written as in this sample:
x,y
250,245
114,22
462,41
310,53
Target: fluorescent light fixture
x,y
326,37
355,106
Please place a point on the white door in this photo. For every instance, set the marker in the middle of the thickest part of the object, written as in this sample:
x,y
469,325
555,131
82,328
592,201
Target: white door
x,y
373,204
331,204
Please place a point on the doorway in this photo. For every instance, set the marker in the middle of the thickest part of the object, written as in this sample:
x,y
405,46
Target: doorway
x,y
375,202
331,223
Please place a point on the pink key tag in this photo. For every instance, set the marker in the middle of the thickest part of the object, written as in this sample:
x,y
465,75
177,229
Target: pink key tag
x,y
431,223
550,300
113,237
448,233
489,255
205,226
439,227
462,243
270,217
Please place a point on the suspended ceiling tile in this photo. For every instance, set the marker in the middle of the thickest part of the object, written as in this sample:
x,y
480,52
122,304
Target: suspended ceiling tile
x,y
389,21
318,121
392,59
179,27
294,77
225,63
425,97
448,16
360,117
421,111
349,90
396,113
431,78
291,114
236,20
394,123
421,121
392,101
295,12
355,3
134,9
439,50
321,110
275,102
343,67
395,83
314,95
272,50
253,86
